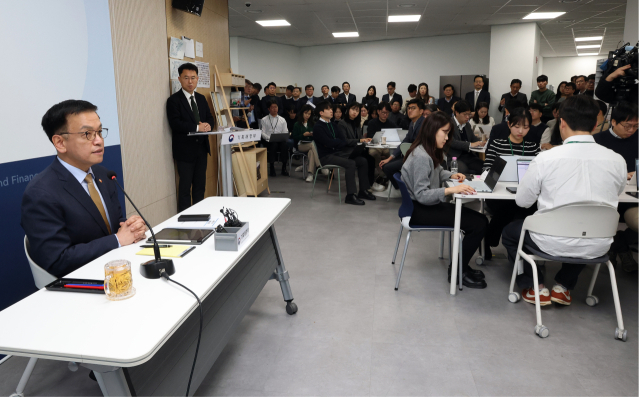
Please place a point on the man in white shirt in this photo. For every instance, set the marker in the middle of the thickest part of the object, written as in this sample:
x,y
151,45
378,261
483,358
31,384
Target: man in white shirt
x,y
578,171
273,124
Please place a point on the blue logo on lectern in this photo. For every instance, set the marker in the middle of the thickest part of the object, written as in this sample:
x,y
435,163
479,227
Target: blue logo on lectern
x,y
231,138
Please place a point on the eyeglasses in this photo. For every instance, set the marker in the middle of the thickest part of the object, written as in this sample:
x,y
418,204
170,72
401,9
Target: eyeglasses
x,y
90,135
629,127
412,108
383,112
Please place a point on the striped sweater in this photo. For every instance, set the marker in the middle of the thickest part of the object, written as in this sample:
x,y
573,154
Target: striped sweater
x,y
502,147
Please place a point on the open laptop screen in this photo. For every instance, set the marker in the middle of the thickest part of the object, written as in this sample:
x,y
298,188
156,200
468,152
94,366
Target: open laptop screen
x,y
523,165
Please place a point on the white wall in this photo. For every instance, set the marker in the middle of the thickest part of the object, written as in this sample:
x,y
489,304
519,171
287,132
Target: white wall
x,y
562,68
630,34
263,62
404,61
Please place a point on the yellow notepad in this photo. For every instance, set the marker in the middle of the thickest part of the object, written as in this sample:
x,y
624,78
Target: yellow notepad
x,y
172,252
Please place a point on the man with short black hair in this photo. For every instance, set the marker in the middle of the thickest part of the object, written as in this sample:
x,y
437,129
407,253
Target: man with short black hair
x,y
345,98
256,105
413,91
591,85
378,124
335,93
70,211
288,93
537,127
478,95
573,79
326,94
569,91
514,94
391,94
273,124
622,137
395,116
188,111
544,97
581,85
445,103
309,99
462,140
270,97
597,175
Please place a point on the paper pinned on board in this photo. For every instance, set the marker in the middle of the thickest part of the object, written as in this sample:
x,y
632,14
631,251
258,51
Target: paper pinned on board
x,y
199,49
189,50
204,77
175,86
174,64
176,48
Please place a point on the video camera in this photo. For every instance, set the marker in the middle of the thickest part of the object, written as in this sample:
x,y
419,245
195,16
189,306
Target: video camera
x,y
625,55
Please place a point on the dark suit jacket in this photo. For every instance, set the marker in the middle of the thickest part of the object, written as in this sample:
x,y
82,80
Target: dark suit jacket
x,y
64,227
483,97
412,133
370,102
499,131
385,98
459,146
520,97
343,99
266,101
182,122
330,99
446,106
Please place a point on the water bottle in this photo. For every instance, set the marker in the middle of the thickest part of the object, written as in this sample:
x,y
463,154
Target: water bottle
x,y
454,165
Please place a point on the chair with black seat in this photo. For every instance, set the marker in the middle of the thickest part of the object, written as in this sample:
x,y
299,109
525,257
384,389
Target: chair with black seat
x,y
571,221
296,153
405,211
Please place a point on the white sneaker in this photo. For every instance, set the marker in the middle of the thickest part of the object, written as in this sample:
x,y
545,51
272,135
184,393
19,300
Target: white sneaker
x,y
325,172
299,168
378,187
395,193
309,178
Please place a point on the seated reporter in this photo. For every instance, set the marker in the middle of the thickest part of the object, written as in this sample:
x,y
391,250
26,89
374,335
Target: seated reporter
x,y
505,211
393,163
335,149
70,211
302,136
350,127
423,174
579,171
274,124
463,139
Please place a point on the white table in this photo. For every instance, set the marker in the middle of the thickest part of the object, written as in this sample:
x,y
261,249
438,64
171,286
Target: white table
x,y
499,193
119,341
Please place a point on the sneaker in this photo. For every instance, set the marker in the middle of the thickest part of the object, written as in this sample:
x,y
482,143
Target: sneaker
x,y
629,264
378,187
309,178
324,172
529,295
560,295
299,168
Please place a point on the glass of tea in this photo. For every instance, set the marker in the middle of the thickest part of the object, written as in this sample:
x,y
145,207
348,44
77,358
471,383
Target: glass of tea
x,y
118,283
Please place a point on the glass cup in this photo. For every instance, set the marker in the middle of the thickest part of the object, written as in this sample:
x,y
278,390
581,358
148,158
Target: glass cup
x,y
384,140
118,283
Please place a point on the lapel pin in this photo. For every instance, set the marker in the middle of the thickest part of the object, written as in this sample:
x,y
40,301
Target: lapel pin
x,y
100,180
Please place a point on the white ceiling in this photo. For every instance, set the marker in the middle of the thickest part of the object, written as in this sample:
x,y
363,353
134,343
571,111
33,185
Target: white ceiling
x,y
313,21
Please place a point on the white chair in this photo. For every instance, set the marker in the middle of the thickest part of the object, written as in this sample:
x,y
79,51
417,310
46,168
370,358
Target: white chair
x,y
41,278
573,221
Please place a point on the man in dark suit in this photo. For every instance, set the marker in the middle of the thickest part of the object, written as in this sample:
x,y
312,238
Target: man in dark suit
x,y
514,94
462,140
188,111
478,95
391,94
326,94
266,100
448,100
70,211
308,98
346,98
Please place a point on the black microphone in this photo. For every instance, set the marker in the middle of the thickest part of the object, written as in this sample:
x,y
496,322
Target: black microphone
x,y
155,267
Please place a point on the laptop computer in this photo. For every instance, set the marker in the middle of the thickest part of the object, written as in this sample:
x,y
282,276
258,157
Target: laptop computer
x,y
635,194
510,173
522,166
491,180
391,135
275,138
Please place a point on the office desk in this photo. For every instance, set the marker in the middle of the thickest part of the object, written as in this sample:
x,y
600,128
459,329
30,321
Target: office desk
x,y
499,193
145,345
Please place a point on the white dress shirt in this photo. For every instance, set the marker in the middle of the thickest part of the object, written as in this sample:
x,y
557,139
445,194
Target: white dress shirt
x,y
579,171
189,101
273,125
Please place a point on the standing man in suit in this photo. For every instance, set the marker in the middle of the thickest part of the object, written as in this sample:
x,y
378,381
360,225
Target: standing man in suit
x,y
449,99
270,96
70,211
478,95
188,111
462,140
309,98
326,95
346,98
335,93
391,95
515,95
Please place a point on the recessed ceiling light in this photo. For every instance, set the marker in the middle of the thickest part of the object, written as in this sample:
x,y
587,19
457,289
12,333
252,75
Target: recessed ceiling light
x,y
587,53
274,22
406,5
594,38
346,34
403,18
588,46
570,1
544,15
253,11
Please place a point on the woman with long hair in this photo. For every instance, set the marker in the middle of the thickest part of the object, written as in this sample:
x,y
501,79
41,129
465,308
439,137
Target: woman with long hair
x,y
423,93
338,112
560,92
350,126
482,121
423,174
370,100
302,136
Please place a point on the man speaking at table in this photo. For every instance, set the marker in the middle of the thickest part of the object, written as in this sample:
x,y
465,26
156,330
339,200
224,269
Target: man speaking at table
x,y
70,211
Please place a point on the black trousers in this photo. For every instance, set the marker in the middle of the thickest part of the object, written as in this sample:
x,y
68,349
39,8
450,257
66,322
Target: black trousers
x,y
359,165
472,223
193,179
503,212
371,167
391,168
567,276
273,148
469,163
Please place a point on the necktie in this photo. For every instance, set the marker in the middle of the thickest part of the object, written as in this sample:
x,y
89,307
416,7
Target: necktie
x,y
463,136
194,108
95,197
475,101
